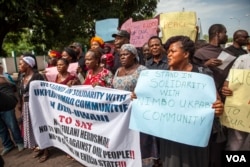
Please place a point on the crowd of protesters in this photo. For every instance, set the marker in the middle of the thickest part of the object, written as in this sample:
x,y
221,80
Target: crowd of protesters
x,y
119,68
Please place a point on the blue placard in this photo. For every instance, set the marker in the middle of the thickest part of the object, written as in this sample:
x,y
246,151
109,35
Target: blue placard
x,y
174,105
105,28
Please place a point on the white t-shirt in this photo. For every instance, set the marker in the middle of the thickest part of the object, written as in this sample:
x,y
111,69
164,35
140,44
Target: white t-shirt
x,y
242,62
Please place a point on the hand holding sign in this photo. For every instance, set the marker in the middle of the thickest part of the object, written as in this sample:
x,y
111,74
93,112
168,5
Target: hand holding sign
x,y
167,104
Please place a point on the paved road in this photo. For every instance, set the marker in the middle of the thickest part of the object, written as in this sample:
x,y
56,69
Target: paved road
x,y
24,159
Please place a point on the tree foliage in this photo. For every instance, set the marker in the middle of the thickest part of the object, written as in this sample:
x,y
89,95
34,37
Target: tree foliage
x,y
56,23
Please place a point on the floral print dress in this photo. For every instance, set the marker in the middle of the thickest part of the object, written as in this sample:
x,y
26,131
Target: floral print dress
x,y
103,78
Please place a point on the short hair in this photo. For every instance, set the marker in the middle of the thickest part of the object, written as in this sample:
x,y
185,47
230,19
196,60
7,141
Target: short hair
x,y
155,37
97,54
215,28
187,44
71,52
145,44
64,60
238,33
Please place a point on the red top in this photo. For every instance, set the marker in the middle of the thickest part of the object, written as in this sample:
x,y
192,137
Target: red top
x,y
64,82
103,78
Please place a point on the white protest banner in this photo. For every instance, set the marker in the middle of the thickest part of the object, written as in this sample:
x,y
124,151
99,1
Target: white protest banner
x,y
141,31
174,105
51,72
237,107
90,124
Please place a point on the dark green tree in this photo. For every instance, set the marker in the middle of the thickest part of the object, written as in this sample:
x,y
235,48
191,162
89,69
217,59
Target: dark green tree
x,y
56,23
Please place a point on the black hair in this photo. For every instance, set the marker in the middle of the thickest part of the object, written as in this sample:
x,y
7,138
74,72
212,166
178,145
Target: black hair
x,y
97,54
66,62
187,44
71,52
214,29
155,37
238,34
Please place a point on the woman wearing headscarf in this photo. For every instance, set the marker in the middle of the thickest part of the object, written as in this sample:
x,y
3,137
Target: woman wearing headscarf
x,y
125,79
29,74
126,76
96,42
53,56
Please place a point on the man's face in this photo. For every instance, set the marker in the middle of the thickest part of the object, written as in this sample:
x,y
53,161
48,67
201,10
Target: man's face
x,y
242,38
155,46
77,49
223,37
119,41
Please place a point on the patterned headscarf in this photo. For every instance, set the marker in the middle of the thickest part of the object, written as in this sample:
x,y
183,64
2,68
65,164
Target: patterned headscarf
x,y
131,48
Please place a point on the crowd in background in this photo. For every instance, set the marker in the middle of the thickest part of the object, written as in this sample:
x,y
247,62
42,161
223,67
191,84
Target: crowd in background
x,y
118,66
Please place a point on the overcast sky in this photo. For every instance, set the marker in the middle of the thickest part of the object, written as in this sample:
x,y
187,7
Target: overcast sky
x,y
213,11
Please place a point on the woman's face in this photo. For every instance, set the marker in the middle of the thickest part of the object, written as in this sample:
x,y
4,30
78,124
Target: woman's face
x,y
94,45
22,67
126,58
176,55
62,67
65,55
90,61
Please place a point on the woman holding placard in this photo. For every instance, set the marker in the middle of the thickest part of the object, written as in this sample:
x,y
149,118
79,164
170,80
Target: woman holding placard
x,y
180,50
